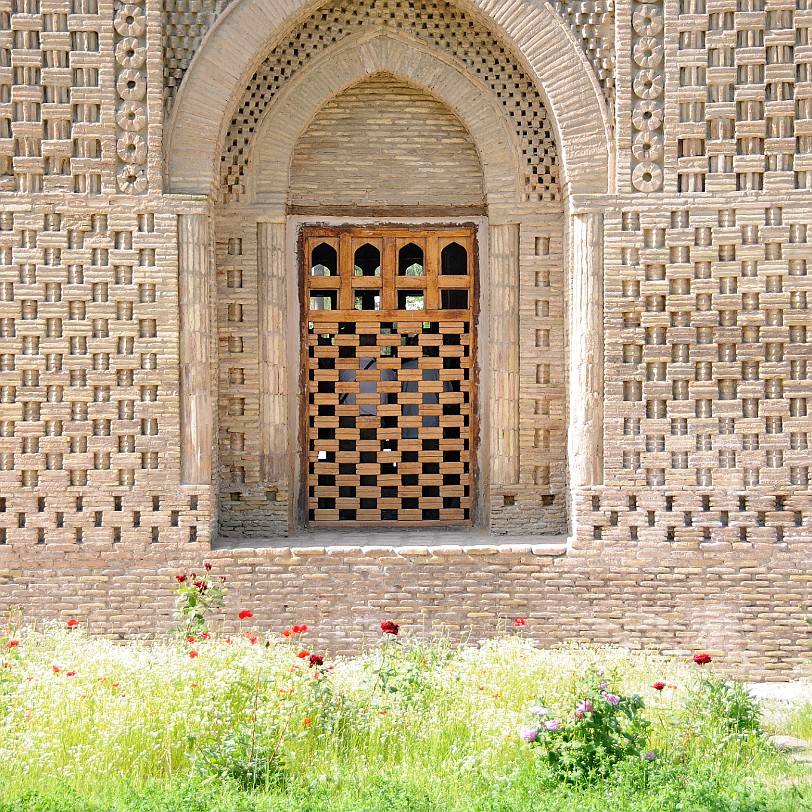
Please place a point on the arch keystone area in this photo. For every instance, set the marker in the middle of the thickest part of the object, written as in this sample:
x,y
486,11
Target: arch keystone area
x,y
244,34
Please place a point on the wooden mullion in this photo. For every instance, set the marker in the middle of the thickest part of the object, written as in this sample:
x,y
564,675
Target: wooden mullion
x,y
431,260
346,266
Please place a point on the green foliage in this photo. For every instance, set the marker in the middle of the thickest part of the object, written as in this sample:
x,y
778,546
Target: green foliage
x,y
602,729
196,597
409,726
722,709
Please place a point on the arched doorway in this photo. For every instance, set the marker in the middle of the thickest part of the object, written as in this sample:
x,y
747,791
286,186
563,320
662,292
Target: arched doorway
x,y
291,160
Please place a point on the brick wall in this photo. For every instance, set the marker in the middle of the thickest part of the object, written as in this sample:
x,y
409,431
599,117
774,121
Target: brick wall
x,y
744,604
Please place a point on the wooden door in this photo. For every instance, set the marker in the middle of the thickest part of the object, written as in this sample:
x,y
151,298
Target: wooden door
x,y
389,379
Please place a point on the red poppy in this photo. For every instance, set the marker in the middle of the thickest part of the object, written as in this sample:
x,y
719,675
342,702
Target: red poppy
x,y
287,633
12,643
518,622
190,639
316,659
658,686
702,659
72,622
70,673
252,640
205,636
193,654
300,629
245,614
207,565
56,668
180,578
302,654
306,722
390,627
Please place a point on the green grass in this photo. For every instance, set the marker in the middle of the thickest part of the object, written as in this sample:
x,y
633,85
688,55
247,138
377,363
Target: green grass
x,y
140,727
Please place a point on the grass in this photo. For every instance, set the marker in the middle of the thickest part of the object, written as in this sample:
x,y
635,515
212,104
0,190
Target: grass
x,y
94,726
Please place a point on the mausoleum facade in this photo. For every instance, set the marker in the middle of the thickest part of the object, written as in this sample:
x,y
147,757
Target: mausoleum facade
x,y
496,307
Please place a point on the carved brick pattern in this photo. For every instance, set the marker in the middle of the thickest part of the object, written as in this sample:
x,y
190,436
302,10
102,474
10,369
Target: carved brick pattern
x,y
185,24
539,501
88,380
130,23
745,78
648,92
438,25
53,68
708,382
593,24
715,520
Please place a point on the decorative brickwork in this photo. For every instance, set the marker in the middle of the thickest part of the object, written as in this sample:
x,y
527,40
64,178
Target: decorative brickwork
x,y
641,375
437,24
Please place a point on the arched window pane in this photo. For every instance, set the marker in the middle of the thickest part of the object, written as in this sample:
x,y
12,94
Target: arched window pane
x,y
324,260
410,261
454,260
367,261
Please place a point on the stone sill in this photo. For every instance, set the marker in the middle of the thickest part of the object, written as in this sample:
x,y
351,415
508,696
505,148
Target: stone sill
x,y
403,542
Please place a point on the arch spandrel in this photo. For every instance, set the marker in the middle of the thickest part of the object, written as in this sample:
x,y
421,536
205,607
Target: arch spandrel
x,y
244,34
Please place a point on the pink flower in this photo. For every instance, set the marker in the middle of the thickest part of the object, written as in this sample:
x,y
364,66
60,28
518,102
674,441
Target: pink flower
x,y
528,734
552,724
612,699
582,708
245,614
72,622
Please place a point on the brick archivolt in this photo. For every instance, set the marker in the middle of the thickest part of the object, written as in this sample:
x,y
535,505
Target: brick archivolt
x,y
547,65
276,139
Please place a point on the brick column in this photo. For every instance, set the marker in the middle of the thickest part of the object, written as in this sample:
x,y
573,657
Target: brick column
x,y
585,437
196,431
273,408
504,341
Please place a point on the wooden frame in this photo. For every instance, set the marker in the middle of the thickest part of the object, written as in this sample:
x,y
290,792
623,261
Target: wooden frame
x,y
388,433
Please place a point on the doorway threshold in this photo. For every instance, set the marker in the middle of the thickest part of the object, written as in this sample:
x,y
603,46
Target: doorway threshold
x,y
395,539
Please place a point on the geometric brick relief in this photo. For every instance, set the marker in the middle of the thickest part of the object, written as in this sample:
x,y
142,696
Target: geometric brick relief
x,y
88,378
130,24
709,319
593,24
686,518
745,78
186,23
648,87
51,76
435,23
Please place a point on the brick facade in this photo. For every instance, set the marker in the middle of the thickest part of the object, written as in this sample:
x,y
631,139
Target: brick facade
x,y
639,177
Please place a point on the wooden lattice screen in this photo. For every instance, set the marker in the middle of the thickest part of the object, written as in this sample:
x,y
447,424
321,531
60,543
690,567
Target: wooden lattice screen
x,y
389,345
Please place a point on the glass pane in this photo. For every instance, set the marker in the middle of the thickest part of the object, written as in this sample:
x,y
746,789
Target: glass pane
x,y
411,300
410,261
324,261
367,300
367,261
454,299
454,260
324,300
